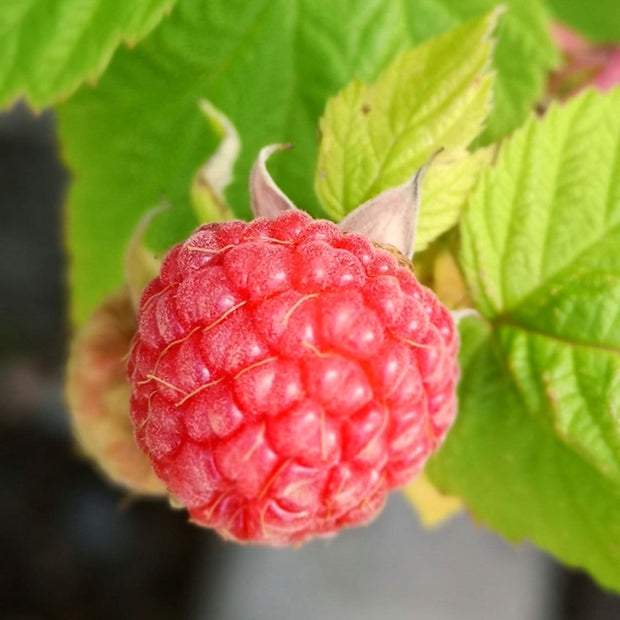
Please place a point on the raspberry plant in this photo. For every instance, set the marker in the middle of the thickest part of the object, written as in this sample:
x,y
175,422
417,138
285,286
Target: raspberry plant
x,y
519,210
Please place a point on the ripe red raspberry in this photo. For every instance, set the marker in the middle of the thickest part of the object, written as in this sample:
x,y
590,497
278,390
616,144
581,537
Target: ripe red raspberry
x,y
286,375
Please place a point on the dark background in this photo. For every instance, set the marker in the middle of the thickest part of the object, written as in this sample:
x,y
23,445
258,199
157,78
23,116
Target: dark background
x,y
72,547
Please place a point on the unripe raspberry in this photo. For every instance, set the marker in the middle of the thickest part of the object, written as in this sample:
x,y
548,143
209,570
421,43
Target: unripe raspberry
x,y
98,395
286,375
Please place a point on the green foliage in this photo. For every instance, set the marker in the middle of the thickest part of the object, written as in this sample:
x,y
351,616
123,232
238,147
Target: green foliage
x,y
597,19
49,47
267,65
373,137
535,452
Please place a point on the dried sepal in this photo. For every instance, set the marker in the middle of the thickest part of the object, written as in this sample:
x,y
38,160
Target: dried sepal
x,y
209,183
268,200
141,264
390,217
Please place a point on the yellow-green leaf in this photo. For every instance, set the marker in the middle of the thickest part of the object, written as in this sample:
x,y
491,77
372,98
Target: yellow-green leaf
x,y
375,136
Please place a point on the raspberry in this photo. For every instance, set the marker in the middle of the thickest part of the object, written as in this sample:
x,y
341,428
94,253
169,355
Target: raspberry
x,y
98,395
286,375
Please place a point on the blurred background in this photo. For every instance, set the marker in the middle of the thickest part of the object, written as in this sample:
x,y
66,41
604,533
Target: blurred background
x,y
72,547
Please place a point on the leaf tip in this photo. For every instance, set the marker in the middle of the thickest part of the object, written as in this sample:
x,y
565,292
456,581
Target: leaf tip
x,y
494,17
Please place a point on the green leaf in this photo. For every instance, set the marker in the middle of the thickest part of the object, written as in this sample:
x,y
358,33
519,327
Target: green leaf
x,y
269,66
540,235
514,473
524,55
373,137
445,190
596,19
535,451
49,47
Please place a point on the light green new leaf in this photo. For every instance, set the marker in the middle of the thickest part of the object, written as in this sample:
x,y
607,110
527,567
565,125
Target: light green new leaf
x,y
535,451
435,96
49,47
269,66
